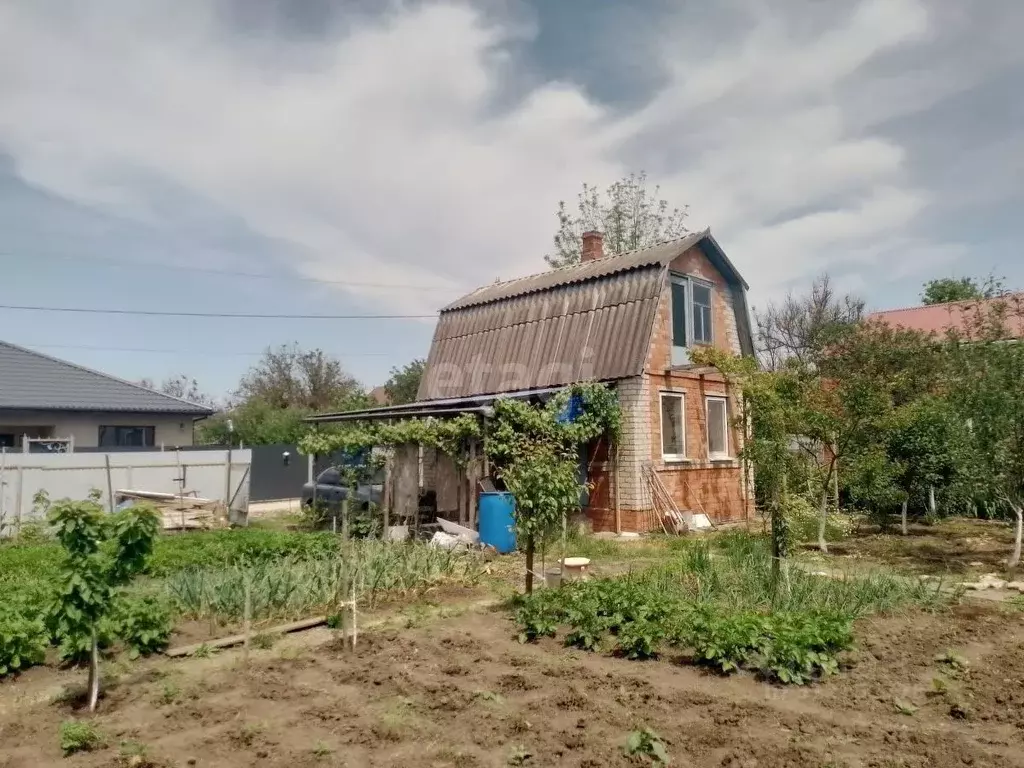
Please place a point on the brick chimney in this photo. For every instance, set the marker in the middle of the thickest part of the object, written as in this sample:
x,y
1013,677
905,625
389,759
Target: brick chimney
x,y
593,246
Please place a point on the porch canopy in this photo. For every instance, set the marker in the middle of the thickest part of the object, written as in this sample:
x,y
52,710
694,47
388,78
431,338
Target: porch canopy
x,y
441,409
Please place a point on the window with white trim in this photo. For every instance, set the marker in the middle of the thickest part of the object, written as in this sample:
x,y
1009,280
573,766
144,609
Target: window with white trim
x,y
692,318
673,428
718,427
701,293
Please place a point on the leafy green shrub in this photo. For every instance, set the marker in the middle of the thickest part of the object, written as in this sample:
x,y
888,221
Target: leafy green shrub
x,y
143,623
726,642
539,616
803,519
587,630
23,641
788,648
640,639
78,736
645,743
74,645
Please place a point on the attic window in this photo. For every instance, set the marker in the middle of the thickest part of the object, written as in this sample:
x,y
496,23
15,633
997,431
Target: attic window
x,y
701,312
692,321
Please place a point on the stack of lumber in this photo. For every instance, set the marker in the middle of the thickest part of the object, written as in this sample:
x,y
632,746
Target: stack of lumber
x,y
179,512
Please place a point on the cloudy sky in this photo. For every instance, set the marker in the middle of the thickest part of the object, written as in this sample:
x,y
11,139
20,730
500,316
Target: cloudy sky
x,y
384,157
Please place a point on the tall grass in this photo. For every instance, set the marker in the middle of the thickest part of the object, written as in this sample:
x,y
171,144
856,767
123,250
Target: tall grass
x,y
736,570
295,587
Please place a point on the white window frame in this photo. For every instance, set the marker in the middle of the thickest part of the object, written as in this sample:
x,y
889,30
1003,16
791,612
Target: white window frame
x,y
681,355
693,308
725,427
681,396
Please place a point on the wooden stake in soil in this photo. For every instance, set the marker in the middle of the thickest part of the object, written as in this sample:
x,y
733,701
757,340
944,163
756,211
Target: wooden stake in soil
x,y
355,630
247,618
94,672
110,485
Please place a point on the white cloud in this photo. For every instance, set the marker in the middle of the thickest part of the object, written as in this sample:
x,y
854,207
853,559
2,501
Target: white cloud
x,y
390,151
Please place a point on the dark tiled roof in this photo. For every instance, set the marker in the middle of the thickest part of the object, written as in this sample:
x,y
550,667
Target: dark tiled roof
x,y
34,381
589,321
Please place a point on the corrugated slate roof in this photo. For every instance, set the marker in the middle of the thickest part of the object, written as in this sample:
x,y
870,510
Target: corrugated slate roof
x,y
589,321
660,254
33,381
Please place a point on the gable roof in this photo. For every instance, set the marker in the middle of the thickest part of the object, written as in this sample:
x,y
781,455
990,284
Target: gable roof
x,y
951,316
591,320
661,254
30,380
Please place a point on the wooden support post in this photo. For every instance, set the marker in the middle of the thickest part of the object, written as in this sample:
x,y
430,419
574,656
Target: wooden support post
x,y
247,618
19,491
615,483
344,519
110,485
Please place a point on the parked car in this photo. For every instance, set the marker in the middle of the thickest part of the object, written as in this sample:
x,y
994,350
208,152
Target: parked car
x,y
329,493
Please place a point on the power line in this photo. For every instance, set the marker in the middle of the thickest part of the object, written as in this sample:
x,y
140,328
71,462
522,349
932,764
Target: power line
x,y
108,261
241,315
218,353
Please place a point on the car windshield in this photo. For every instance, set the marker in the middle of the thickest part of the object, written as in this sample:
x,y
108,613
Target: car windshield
x,y
329,476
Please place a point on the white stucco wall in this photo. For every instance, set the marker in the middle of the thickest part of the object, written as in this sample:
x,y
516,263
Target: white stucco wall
x,y
170,431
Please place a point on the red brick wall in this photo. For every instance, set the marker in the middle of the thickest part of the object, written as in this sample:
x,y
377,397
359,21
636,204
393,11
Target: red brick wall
x,y
698,484
695,263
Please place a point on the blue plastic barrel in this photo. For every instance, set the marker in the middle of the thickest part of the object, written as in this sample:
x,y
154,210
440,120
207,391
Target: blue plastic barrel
x,y
497,521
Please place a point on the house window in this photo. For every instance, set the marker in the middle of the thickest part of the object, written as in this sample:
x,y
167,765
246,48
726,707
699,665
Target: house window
x,y
701,313
127,437
673,431
679,286
718,428
691,316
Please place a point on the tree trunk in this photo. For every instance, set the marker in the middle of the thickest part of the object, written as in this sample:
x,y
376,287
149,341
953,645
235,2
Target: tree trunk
x,y
822,544
94,672
903,519
1014,560
780,536
931,500
529,564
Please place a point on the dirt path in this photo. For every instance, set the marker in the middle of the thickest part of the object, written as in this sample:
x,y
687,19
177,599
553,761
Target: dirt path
x,y
460,692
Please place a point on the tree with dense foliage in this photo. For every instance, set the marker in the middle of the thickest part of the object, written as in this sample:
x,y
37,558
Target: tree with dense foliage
x,y
987,390
278,393
803,326
291,377
945,289
102,553
404,382
183,387
628,214
926,447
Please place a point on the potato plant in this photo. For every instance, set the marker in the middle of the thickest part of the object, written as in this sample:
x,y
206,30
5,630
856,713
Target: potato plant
x,y
641,618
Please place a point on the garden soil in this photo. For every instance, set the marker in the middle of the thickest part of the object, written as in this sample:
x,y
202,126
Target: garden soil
x,y
922,690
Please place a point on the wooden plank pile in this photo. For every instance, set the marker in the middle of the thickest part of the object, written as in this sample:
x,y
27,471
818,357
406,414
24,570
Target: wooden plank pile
x,y
179,512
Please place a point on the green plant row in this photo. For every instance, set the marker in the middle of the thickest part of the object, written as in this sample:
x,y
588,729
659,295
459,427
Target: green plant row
x,y
142,623
297,587
720,602
637,623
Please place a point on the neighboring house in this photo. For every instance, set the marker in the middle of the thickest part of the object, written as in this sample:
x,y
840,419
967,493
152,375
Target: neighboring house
x,y
43,397
958,316
379,395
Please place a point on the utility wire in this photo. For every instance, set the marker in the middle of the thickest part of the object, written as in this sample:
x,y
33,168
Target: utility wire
x,y
243,315
111,262
218,353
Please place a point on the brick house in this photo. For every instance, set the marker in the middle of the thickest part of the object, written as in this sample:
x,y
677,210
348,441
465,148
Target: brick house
x,y
631,320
